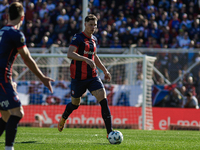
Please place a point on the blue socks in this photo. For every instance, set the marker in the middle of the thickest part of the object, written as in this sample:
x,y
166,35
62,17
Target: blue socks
x,y
11,129
105,111
69,109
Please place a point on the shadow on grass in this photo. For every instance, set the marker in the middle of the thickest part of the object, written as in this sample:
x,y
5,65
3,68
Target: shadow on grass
x,y
102,143
25,142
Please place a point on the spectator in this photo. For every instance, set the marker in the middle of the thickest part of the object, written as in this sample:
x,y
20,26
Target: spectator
x,y
43,10
135,31
120,19
186,22
61,40
45,21
72,30
63,15
61,27
164,3
174,68
140,43
28,30
50,5
4,4
29,12
174,99
116,43
36,37
127,37
195,28
190,86
191,101
104,39
185,41
174,43
44,42
163,21
175,22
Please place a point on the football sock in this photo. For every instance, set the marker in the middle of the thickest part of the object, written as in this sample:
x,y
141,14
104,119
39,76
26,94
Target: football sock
x,y
105,111
9,148
11,129
2,126
69,109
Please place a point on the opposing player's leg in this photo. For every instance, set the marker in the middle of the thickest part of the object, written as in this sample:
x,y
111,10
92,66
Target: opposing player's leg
x,y
68,110
16,114
3,120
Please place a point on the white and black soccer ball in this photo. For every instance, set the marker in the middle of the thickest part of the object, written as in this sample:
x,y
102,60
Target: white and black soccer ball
x,y
115,137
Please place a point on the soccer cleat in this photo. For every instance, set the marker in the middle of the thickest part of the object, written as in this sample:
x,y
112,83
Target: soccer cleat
x,y
61,124
107,136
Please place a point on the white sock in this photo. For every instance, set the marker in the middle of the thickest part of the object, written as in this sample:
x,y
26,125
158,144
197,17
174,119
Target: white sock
x,y
9,148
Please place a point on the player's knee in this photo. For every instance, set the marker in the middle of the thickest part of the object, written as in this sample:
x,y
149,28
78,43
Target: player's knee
x,y
18,113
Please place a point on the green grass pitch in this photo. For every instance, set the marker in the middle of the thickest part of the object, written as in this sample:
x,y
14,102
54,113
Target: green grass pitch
x,y
95,139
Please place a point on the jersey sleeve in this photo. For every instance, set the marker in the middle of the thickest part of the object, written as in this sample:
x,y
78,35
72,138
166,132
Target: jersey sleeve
x,y
75,41
19,40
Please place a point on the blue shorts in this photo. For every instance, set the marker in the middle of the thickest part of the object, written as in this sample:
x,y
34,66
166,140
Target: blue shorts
x,y
8,97
79,87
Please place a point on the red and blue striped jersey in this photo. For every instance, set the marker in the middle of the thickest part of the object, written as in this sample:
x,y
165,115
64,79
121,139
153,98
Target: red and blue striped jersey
x,y
11,40
86,46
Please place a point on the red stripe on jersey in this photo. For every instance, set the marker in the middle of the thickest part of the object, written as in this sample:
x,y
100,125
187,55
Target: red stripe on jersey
x,y
5,75
21,47
94,71
3,88
73,66
84,64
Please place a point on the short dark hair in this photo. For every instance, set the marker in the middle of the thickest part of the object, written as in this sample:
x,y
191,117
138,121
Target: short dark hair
x,y
15,10
90,17
189,94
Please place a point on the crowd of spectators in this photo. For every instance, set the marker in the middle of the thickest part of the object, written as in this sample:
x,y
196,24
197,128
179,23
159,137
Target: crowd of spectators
x,y
148,23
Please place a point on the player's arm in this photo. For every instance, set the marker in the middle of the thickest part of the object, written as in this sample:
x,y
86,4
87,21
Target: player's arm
x,y
29,61
75,56
100,65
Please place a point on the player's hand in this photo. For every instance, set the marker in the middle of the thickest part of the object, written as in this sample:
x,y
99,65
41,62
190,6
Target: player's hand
x,y
91,63
47,82
107,76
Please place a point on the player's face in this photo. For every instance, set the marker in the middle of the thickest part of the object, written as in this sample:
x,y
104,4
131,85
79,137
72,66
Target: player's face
x,y
90,26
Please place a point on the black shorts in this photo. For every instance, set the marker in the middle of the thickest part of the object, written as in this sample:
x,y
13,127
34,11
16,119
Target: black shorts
x,y
79,87
8,97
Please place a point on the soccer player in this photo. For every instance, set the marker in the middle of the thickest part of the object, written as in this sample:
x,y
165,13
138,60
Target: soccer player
x,y
12,42
82,51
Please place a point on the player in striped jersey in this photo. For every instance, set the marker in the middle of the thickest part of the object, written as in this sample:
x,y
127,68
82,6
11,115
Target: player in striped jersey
x,y
12,42
83,52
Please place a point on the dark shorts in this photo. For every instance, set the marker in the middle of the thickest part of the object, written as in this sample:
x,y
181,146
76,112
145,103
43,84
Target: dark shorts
x,y
8,97
79,87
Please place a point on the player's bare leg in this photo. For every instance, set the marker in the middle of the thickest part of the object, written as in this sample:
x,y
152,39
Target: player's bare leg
x,y
100,95
68,110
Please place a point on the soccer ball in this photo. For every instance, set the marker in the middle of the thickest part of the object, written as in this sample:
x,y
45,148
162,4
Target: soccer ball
x,y
115,137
